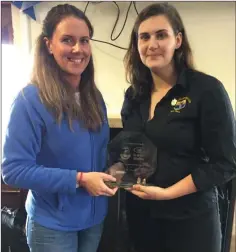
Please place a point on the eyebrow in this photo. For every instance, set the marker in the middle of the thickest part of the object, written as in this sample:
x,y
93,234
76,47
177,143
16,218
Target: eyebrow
x,y
71,36
158,31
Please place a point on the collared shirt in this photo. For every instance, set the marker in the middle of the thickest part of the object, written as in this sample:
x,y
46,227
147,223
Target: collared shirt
x,y
193,129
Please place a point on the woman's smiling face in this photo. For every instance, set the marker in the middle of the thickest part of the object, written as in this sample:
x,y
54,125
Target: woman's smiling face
x,y
70,46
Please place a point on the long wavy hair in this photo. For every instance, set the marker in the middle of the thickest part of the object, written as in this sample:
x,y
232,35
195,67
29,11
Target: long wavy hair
x,y
55,91
137,74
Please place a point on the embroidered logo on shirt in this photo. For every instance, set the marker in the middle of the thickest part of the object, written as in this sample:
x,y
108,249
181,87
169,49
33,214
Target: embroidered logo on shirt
x,y
179,104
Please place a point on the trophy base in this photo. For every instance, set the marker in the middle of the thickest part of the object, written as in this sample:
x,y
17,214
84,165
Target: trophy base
x,y
124,185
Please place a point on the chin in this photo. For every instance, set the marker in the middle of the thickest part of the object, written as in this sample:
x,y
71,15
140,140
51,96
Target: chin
x,y
154,64
75,73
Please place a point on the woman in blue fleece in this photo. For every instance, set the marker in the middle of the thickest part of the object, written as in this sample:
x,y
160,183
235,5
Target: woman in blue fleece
x,y
56,140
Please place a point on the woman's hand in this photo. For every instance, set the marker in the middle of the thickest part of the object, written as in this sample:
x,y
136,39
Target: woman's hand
x,y
93,182
184,187
150,192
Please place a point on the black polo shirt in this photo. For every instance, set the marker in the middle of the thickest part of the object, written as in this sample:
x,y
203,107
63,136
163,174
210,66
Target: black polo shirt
x,y
193,129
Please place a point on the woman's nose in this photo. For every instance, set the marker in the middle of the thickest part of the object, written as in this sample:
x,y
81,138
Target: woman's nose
x,y
153,43
76,48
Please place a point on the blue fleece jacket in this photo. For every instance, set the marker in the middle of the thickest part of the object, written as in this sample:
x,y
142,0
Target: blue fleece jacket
x,y
45,157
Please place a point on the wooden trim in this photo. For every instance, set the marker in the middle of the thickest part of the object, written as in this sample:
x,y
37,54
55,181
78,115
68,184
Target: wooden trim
x,y
6,24
8,189
6,3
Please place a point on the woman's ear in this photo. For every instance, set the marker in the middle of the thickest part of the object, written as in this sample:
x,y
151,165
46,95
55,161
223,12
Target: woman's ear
x,y
179,39
48,44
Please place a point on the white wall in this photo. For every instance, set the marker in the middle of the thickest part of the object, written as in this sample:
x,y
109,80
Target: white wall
x,y
210,27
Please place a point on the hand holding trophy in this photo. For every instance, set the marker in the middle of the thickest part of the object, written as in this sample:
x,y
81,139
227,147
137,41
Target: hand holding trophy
x,y
132,159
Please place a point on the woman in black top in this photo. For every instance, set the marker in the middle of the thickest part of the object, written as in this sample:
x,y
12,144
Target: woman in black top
x,y
188,116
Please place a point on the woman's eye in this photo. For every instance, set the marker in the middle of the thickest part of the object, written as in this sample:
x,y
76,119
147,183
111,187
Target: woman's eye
x,y
144,37
161,35
67,40
84,41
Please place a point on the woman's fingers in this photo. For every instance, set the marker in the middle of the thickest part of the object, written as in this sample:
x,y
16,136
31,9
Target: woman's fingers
x,y
107,177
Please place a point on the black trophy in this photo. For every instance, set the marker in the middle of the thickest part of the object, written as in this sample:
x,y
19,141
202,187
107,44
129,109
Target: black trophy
x,y
132,159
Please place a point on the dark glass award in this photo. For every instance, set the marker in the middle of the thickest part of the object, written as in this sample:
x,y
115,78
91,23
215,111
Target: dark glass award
x,y
132,159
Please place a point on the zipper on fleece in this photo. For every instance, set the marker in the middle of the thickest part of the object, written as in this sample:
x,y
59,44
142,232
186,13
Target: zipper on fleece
x,y
93,168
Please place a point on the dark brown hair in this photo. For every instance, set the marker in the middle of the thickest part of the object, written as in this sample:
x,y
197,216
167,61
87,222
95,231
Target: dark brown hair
x,y
55,91
136,72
